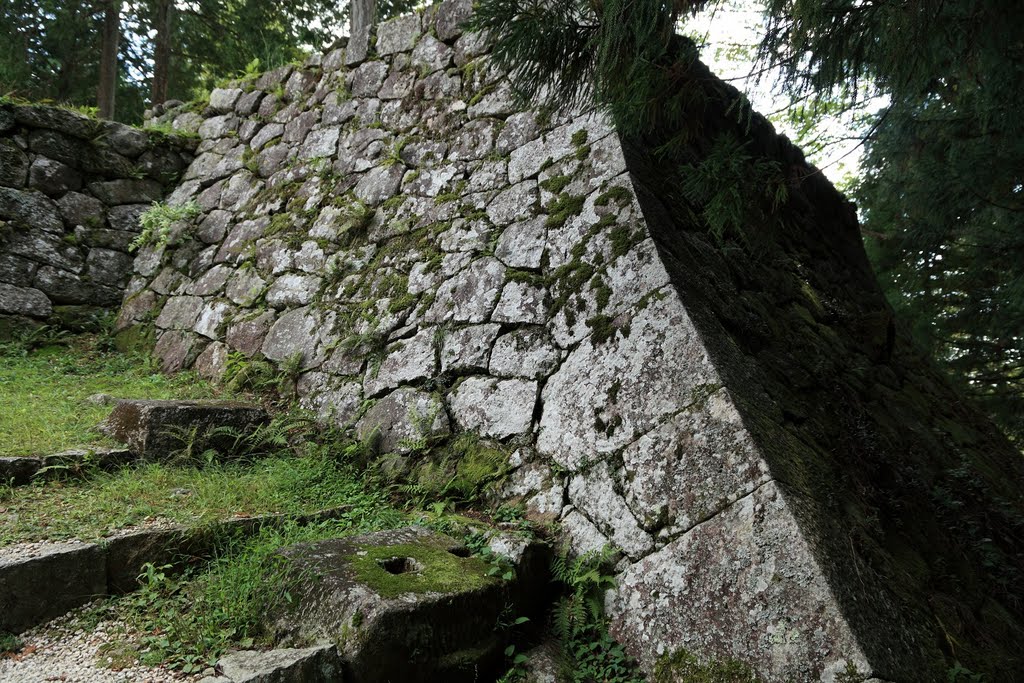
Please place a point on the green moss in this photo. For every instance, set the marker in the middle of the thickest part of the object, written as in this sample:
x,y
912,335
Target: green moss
x,y
136,339
527,277
623,239
579,138
700,394
570,279
393,202
480,94
437,570
617,194
452,196
605,221
582,152
279,223
555,184
402,302
683,666
602,292
562,208
603,328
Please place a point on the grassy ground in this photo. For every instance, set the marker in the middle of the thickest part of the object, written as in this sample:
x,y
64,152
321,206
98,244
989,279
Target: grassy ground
x,y
43,391
187,622
94,507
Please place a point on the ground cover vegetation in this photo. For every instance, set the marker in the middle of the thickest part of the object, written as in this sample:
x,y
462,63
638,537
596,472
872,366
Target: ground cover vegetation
x,y
47,376
186,616
940,193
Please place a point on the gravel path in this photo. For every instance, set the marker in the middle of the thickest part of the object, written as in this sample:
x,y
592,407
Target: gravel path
x,y
23,551
26,549
62,650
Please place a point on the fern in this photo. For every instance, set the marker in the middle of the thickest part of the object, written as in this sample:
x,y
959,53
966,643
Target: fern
x,y
588,652
158,221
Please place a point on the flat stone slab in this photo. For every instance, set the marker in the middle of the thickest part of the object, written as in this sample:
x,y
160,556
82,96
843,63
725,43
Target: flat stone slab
x,y
162,430
40,581
59,578
177,546
18,471
319,664
405,605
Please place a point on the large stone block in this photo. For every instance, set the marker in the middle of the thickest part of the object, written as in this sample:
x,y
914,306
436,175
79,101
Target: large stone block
x,y
317,664
404,605
52,177
403,418
24,301
29,210
161,430
13,164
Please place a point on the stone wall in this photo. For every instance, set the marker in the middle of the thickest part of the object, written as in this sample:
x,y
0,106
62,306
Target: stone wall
x,y
71,192
786,480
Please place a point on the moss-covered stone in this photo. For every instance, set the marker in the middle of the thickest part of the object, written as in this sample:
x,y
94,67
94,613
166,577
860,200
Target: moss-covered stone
x,y
426,567
136,339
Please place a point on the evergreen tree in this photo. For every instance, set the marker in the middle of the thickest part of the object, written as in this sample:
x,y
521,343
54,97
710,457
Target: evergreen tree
x,y
50,51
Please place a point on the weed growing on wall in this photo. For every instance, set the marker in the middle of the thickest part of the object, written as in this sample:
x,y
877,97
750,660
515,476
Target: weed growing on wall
x,y
158,222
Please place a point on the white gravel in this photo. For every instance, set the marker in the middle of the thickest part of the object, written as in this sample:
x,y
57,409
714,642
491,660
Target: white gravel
x,y
23,551
62,650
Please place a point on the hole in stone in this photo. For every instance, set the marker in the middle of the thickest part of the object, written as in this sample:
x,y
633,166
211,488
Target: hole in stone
x,y
400,565
460,551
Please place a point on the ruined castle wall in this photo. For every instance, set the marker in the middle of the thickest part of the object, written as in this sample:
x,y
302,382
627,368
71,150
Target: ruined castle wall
x,y
771,463
71,192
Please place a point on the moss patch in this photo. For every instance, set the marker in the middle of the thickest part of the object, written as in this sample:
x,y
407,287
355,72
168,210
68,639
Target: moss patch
x,y
617,194
433,569
683,666
562,208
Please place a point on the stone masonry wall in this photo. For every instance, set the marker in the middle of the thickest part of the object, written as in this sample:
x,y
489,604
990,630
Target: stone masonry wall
x,y
786,480
71,192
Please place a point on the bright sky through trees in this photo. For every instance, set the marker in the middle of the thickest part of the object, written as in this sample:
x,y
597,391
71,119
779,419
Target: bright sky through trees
x,y
729,32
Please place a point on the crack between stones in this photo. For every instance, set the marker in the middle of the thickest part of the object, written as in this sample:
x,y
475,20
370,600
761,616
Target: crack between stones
x,y
720,511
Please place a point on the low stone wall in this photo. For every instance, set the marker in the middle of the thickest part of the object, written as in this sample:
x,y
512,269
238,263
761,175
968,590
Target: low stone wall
x,y
786,479
71,192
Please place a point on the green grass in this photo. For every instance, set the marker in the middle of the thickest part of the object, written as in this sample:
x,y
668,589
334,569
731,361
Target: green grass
x,y
43,391
188,622
94,507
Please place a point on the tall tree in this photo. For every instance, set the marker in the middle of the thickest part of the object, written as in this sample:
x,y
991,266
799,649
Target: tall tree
x,y
942,190
107,90
362,15
163,21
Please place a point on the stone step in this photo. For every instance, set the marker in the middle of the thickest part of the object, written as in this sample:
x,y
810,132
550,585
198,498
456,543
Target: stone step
x,y
159,429
319,664
18,471
43,581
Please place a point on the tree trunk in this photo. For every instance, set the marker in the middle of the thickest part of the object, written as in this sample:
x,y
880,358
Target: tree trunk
x,y
363,13
108,59
162,51
69,67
